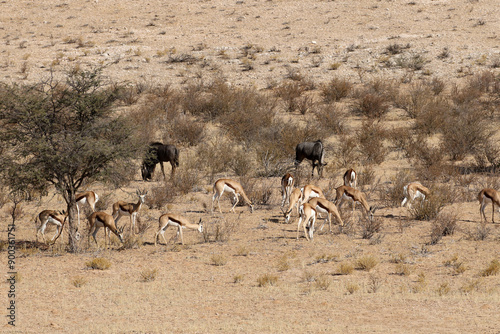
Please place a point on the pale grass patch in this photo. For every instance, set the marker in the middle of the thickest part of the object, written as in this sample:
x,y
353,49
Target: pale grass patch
x,y
238,278
148,275
78,281
443,289
471,286
323,282
283,263
402,269
218,260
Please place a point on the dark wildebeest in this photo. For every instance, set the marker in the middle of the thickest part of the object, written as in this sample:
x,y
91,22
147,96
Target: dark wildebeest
x,y
158,153
312,151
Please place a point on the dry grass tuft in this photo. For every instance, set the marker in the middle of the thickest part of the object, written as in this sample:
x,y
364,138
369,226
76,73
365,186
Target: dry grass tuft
x,y
148,275
346,269
218,260
78,281
99,263
443,225
366,263
351,287
492,269
267,280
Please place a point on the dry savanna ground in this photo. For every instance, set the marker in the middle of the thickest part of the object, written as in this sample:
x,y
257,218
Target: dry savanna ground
x,y
398,90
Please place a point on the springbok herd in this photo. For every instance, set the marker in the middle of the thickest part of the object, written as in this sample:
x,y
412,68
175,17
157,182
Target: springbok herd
x,y
309,201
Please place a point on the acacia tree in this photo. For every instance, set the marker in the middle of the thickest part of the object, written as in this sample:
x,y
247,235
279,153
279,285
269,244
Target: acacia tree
x,y
64,133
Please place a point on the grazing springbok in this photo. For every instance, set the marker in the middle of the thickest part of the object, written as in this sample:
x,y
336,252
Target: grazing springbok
x,y
350,178
102,219
354,195
312,151
178,221
57,218
295,199
486,196
122,208
311,191
325,206
88,197
413,191
287,182
159,153
232,187
308,218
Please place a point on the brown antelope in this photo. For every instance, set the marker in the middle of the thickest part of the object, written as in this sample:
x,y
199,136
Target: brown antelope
x,y
122,208
295,197
88,197
232,187
287,182
308,218
355,195
413,191
350,178
57,218
102,219
177,221
486,196
324,206
310,191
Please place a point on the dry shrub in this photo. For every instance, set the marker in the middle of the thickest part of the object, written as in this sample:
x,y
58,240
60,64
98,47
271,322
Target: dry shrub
x,y
415,100
492,269
374,283
370,139
474,136
370,227
267,280
430,208
148,275
219,230
259,192
366,263
238,278
184,130
443,225
159,196
330,119
290,92
458,266
335,90
99,263
393,193
346,152
479,233
242,162
372,105
214,156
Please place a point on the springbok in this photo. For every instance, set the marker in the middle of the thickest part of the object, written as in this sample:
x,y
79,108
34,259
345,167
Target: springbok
x,y
232,187
177,221
88,197
102,219
287,182
57,218
308,218
122,208
350,178
310,191
486,196
413,191
325,206
355,195
295,199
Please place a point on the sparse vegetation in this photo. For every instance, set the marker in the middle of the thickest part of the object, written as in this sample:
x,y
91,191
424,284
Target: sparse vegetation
x,y
267,280
98,263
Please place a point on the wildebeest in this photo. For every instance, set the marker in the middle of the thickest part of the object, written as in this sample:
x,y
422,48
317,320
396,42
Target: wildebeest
x,y
159,153
312,151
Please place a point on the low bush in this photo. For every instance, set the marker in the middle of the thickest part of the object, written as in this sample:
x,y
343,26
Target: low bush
x,y
99,263
267,280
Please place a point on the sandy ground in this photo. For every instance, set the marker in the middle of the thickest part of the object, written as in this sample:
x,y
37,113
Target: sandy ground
x,y
255,43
